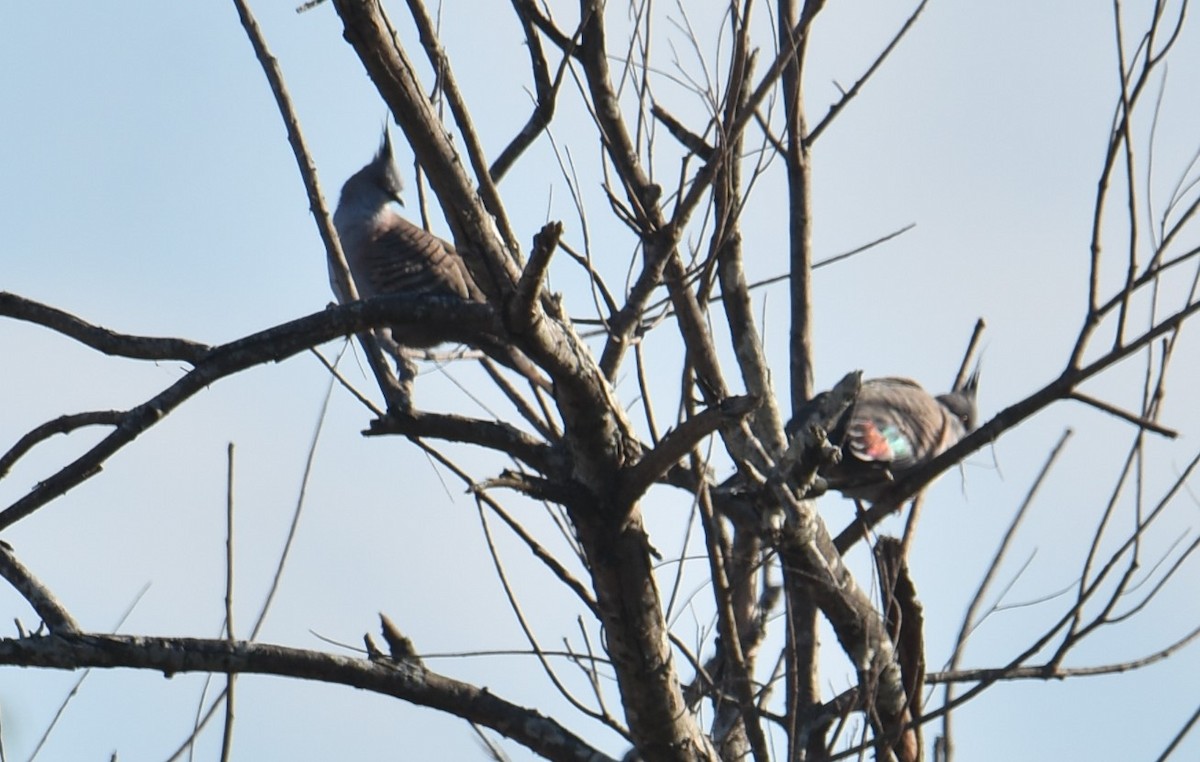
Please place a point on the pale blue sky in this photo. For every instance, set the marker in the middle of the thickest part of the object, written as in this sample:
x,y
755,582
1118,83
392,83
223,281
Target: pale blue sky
x,y
148,187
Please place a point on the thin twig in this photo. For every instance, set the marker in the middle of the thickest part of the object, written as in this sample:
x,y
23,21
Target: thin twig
x,y
488,192
968,623
531,638
230,677
849,95
71,694
64,424
1136,420
339,272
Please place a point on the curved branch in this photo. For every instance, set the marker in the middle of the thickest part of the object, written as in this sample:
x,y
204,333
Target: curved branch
x,y
64,424
547,92
414,684
460,320
101,339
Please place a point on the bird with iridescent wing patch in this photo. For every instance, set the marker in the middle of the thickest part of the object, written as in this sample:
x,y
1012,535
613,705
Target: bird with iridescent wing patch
x,y
893,427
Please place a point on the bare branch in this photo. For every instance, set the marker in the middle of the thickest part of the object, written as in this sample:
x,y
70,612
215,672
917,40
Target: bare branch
x,y
678,442
531,638
101,339
849,95
230,677
1183,731
547,92
466,126
64,424
1058,672
494,435
56,617
413,684
1137,420
686,137
272,345
522,310
969,618
528,10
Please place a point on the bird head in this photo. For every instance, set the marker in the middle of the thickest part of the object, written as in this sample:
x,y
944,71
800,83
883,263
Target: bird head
x,y
382,170
961,401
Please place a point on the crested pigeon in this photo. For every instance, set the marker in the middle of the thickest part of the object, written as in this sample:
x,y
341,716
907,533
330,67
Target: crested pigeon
x,y
893,427
388,254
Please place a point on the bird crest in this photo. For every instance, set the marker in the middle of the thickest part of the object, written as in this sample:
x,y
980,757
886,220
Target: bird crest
x,y
962,400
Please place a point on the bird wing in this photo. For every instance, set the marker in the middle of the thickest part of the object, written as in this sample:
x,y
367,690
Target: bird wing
x,y
876,441
402,258
895,423
893,427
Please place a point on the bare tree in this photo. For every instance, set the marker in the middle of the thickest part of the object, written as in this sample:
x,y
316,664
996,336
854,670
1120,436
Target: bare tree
x,y
612,439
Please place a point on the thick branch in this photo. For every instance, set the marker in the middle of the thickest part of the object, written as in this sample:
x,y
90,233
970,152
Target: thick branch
x,y
523,309
678,442
494,435
56,617
410,683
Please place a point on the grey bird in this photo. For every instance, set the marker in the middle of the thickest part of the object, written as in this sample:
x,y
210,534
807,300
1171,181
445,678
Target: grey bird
x,y
387,254
893,427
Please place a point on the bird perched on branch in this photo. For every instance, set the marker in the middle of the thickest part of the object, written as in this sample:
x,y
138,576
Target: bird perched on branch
x,y
388,254
892,428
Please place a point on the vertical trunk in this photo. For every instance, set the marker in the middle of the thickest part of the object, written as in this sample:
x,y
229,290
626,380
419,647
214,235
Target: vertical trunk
x,y
636,638
803,690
